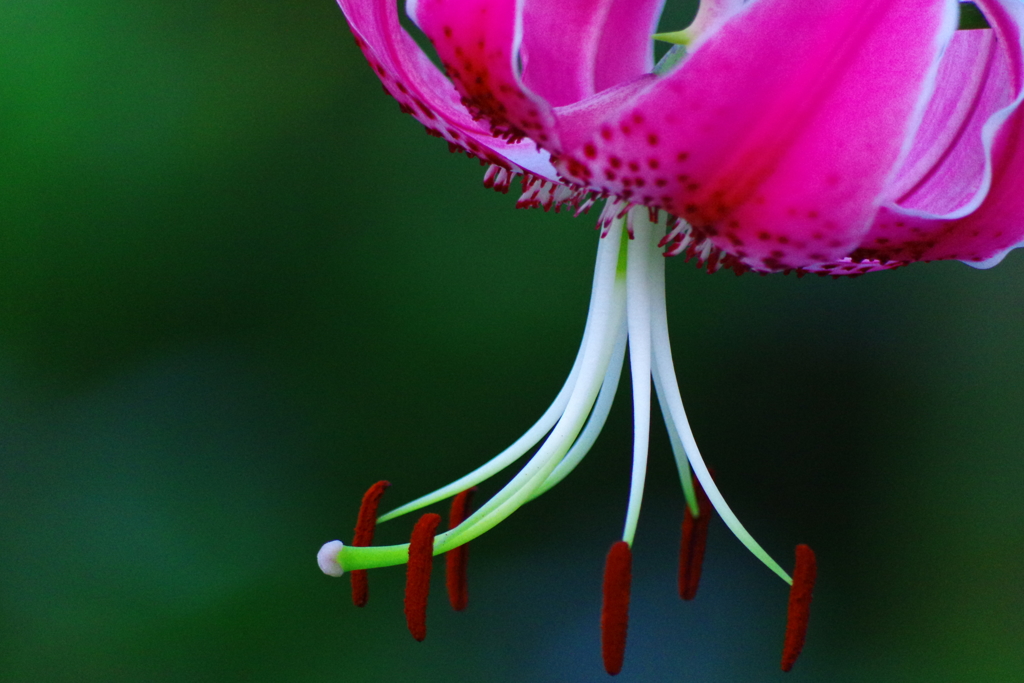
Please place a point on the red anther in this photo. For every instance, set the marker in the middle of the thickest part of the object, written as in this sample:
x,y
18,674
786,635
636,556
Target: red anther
x,y
691,550
366,523
417,577
615,606
804,574
455,559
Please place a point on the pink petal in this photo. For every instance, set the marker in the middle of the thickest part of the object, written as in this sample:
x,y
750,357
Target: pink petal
x,y
477,42
626,50
574,48
970,206
946,164
559,47
578,121
421,90
778,135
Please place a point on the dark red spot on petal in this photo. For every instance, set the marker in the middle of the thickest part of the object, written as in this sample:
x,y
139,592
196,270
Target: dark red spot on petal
x,y
800,594
615,606
366,523
417,577
455,560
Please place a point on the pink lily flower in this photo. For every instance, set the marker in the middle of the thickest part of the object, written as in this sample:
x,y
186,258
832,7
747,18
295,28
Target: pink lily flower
x,y
832,137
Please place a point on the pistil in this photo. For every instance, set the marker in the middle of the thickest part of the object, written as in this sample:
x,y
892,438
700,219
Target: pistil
x,y
627,309
599,346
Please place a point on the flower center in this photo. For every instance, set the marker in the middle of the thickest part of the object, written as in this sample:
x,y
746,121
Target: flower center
x,y
627,307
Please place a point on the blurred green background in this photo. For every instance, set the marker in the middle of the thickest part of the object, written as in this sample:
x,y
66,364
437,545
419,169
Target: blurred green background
x,y
237,286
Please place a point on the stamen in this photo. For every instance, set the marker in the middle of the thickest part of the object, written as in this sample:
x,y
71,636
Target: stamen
x,y
640,255
605,319
366,523
691,550
595,423
417,578
800,594
672,404
615,606
455,559
523,444
609,287
604,285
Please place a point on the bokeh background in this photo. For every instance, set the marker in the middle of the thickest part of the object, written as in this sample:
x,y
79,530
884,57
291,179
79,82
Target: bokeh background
x,y
237,286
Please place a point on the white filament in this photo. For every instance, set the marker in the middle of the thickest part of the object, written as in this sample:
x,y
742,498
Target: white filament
x,y
607,309
638,314
672,402
627,303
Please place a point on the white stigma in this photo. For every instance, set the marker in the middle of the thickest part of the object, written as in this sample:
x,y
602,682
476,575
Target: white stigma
x,y
328,556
